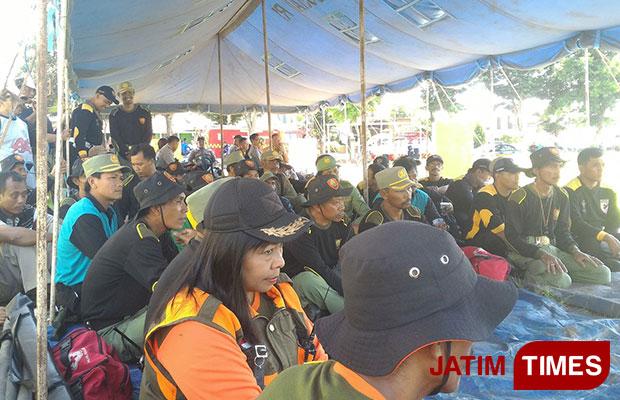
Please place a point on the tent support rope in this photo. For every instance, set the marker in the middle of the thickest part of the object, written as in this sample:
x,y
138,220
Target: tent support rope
x,y
266,62
60,79
608,67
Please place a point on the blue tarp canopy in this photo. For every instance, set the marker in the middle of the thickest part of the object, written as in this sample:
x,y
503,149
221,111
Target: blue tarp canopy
x,y
168,49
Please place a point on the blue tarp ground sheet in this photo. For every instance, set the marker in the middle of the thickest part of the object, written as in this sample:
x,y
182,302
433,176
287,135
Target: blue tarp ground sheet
x,y
533,318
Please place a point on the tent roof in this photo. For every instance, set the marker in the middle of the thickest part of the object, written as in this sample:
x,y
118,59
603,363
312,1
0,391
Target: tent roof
x,y
168,49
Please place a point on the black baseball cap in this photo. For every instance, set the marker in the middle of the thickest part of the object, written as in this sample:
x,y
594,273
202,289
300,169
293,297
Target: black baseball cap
x,y
322,188
9,162
158,189
545,156
253,207
481,163
108,92
434,157
407,285
504,164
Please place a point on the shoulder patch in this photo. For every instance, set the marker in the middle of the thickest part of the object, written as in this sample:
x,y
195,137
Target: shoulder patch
x,y
414,212
144,232
574,184
518,196
87,107
374,217
488,189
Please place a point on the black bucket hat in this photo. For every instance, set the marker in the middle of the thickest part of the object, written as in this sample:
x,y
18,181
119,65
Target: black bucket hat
x,y
156,190
407,285
76,171
253,207
322,188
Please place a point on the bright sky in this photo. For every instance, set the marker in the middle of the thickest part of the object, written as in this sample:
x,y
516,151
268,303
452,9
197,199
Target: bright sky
x,y
18,27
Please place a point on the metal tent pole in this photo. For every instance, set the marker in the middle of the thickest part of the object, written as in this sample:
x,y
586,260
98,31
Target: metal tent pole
x,y
41,171
586,61
60,89
362,37
219,78
266,59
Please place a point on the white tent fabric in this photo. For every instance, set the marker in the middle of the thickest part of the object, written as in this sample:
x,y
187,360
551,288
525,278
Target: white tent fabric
x,y
168,49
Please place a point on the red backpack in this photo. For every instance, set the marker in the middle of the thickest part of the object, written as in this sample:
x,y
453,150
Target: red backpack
x,y
91,367
487,264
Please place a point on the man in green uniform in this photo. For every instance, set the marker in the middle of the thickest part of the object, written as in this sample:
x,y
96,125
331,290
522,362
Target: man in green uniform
x,y
411,301
354,205
271,161
594,210
395,189
489,208
538,230
85,124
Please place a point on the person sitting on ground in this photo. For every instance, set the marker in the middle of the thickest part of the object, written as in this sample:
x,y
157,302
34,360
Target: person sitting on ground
x,y
434,180
77,182
16,163
412,302
202,156
270,160
279,146
489,208
420,197
312,258
354,205
89,223
272,180
461,191
237,165
373,191
165,155
177,171
254,151
395,189
18,257
538,230
225,324
595,215
130,123
161,142
142,158
120,279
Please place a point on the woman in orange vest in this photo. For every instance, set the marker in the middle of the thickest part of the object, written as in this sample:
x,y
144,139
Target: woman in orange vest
x,y
226,323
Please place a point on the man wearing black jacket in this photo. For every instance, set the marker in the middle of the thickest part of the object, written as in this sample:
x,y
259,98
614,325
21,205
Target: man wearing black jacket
x,y
312,259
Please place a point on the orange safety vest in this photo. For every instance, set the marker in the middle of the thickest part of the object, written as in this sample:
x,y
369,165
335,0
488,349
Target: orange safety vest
x,y
274,334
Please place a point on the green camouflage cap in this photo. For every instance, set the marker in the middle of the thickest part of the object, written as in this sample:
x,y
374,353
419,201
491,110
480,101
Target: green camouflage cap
x,y
197,201
325,162
233,158
103,163
393,178
269,155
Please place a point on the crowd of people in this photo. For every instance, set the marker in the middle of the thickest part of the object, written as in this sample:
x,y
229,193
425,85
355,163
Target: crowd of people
x,y
227,283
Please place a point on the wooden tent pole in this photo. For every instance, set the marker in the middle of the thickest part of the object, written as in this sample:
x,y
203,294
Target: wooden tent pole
x,y
362,37
41,171
266,61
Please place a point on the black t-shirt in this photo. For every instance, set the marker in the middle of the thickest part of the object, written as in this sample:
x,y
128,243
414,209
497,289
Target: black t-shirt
x,y
461,193
317,249
130,128
120,278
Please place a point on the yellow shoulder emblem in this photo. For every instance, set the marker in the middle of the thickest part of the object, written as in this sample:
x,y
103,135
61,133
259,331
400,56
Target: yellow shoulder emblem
x,y
87,107
144,232
488,189
574,184
518,196
374,217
